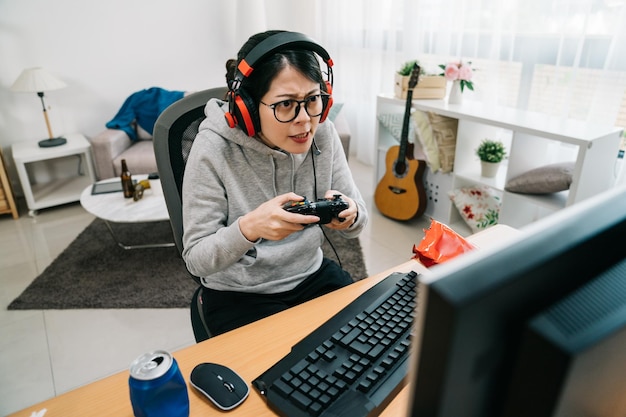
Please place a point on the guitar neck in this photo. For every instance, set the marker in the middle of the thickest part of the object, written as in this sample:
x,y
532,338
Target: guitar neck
x,y
405,124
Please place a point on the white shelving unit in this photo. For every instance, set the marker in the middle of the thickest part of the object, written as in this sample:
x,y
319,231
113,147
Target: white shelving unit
x,y
532,140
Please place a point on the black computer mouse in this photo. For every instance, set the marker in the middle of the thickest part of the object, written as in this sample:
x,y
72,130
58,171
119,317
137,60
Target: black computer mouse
x,y
220,384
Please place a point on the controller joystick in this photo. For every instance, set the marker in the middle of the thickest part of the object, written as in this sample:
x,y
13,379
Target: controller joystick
x,y
326,209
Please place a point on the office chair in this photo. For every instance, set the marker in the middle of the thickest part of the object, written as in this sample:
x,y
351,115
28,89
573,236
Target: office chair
x,y
174,133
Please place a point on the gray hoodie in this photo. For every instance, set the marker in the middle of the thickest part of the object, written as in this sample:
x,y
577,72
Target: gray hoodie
x,y
229,174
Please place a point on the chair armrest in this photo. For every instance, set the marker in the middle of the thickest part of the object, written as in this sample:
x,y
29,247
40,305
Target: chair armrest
x,y
106,146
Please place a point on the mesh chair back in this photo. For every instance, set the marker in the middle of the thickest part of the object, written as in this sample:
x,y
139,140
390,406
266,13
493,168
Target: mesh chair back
x,y
174,133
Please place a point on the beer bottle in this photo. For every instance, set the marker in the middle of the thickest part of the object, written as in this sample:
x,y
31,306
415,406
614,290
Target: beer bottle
x,y
127,181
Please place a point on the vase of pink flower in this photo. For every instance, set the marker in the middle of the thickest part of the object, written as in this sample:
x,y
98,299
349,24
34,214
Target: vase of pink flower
x,y
460,73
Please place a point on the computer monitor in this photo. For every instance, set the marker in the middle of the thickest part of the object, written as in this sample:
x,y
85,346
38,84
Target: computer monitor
x,y
473,310
572,359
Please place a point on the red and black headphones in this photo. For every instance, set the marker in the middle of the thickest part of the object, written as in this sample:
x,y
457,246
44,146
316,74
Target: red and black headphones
x,y
242,110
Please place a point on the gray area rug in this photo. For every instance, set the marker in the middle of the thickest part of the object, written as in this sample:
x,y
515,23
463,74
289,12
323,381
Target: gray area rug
x,y
93,272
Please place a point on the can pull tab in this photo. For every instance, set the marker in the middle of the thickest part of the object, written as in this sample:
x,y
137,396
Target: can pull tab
x,y
154,363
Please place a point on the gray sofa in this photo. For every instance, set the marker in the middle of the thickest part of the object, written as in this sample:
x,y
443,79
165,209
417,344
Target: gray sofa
x,y
110,146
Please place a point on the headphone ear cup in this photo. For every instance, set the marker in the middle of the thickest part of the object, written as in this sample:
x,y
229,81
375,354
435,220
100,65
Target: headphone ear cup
x,y
244,114
250,114
231,119
329,102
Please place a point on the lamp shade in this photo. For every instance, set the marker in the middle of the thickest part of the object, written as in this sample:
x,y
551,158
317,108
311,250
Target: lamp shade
x,y
35,80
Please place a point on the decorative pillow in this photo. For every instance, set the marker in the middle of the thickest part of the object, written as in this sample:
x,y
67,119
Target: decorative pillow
x,y
543,180
424,135
334,111
393,122
479,206
444,132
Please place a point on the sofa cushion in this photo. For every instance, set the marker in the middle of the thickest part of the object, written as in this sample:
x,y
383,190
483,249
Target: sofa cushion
x,y
139,158
142,133
343,129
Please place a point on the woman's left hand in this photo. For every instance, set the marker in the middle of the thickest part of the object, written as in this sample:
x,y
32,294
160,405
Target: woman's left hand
x,y
348,216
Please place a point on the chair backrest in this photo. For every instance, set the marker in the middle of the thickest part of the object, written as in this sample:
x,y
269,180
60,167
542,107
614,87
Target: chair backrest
x,y
174,133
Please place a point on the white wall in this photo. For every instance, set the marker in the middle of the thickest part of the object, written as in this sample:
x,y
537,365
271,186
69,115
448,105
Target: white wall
x,y
106,50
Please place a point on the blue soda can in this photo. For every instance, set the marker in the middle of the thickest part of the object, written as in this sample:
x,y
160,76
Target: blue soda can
x,y
157,387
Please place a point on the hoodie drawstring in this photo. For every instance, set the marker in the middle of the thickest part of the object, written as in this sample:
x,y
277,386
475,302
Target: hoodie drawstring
x,y
273,175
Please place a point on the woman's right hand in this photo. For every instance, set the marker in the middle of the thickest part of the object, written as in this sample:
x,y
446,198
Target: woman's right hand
x,y
271,221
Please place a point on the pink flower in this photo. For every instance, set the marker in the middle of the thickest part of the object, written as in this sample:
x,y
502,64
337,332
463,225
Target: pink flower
x,y
451,72
465,73
458,71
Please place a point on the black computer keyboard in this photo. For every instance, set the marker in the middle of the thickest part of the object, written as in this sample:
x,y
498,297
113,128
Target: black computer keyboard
x,y
352,365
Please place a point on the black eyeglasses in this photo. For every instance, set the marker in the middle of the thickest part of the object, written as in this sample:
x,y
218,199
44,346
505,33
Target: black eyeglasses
x,y
287,110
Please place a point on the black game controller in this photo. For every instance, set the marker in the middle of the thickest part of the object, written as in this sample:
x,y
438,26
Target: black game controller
x,y
326,209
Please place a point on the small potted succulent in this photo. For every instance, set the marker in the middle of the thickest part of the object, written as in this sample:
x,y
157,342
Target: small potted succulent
x,y
490,153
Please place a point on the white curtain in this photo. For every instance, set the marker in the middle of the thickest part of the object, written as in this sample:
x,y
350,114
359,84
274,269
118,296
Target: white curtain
x,y
562,57
250,18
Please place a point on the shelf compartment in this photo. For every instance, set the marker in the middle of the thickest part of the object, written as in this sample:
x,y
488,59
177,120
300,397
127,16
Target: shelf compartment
x,y
521,209
473,177
60,191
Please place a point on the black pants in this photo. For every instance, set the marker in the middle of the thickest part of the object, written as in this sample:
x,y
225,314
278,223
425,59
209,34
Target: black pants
x,y
227,310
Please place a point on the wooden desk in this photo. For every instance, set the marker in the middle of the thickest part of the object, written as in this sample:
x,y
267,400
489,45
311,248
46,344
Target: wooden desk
x,y
249,350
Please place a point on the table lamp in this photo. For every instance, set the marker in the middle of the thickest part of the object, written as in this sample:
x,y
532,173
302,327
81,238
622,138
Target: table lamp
x,y
37,80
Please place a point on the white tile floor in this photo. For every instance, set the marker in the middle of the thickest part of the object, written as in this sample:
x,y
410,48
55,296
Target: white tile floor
x,y
45,353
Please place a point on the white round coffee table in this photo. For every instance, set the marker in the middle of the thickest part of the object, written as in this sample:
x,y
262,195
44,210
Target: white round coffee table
x,y
113,207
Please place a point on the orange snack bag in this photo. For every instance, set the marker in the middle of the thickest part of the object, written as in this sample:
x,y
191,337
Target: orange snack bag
x,y
440,243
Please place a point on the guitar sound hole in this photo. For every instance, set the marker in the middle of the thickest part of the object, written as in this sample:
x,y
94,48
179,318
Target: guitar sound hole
x,y
400,169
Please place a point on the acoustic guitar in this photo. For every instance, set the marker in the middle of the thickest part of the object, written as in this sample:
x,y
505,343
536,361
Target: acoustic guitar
x,y
400,194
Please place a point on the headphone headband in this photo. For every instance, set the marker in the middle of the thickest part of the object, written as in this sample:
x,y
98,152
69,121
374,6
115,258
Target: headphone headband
x,y
241,108
274,43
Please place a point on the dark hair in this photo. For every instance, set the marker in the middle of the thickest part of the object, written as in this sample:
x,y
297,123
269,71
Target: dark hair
x,y
258,82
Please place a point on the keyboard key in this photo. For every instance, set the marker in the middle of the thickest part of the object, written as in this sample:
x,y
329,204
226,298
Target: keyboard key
x,y
365,385
316,409
300,400
283,388
376,351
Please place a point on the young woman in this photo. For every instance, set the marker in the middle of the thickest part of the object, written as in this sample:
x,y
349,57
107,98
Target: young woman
x,y
264,147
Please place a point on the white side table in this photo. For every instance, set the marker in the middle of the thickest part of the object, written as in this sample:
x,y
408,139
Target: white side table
x,y
58,187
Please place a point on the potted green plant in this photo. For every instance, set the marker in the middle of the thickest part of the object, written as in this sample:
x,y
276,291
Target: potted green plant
x,y
428,87
490,153
406,68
